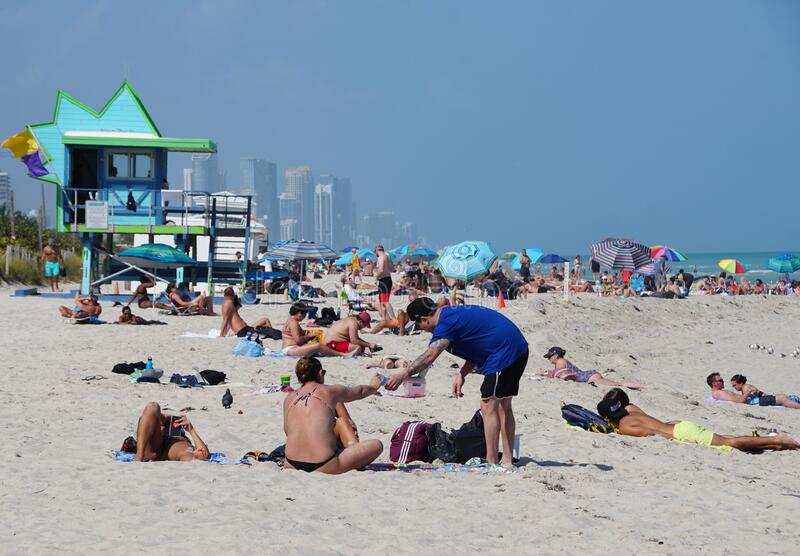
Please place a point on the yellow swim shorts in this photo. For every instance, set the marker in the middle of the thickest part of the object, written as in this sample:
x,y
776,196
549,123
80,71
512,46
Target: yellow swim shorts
x,y
692,433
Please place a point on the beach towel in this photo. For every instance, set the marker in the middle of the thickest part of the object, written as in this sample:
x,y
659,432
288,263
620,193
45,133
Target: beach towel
x,y
213,333
274,389
711,399
216,457
474,465
86,320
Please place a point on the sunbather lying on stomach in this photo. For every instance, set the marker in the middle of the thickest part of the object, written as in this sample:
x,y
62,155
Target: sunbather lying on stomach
x,y
319,433
748,393
154,443
617,409
564,370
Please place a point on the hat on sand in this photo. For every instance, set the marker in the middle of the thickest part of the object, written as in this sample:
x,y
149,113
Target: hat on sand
x,y
611,409
555,350
421,307
364,317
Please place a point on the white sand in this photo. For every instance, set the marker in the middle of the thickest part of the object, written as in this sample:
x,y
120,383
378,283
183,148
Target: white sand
x,y
60,490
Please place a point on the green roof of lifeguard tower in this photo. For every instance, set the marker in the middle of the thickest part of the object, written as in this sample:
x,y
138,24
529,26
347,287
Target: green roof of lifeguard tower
x,y
122,121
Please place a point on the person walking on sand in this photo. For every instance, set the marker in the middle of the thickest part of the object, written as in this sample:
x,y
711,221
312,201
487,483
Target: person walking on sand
x,y
355,266
491,345
52,263
383,275
630,420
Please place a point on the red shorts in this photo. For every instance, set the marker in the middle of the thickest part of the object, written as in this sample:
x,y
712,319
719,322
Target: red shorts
x,y
341,347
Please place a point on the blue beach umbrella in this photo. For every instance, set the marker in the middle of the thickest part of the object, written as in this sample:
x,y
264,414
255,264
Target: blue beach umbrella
x,y
303,250
784,264
466,260
534,254
156,255
551,258
413,252
348,249
362,253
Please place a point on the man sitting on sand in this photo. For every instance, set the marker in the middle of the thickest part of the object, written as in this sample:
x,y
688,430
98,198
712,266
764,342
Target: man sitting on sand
x,y
311,416
343,336
629,420
84,307
748,393
232,321
154,443
297,343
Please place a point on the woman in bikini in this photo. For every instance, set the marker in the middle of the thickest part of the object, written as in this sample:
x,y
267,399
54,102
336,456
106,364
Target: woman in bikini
x,y
310,423
564,370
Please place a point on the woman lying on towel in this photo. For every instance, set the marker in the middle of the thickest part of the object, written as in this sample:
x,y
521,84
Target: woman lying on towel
x,y
564,370
127,317
162,437
319,433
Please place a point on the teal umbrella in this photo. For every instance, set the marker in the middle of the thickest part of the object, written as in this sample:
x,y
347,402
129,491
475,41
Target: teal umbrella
x,y
156,255
413,252
784,264
362,253
466,260
534,253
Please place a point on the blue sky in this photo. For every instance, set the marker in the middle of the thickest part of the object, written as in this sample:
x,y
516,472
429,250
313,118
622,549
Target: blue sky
x,y
523,123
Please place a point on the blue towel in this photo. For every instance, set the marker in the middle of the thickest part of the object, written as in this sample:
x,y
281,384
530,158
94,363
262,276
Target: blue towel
x,y
216,457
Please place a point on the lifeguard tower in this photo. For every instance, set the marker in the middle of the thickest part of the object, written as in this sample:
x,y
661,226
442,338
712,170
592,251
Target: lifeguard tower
x,y
110,171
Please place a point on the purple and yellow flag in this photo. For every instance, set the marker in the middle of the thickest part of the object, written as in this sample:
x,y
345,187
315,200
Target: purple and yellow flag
x,y
24,146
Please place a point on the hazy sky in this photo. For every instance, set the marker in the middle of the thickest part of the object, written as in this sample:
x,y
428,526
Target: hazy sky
x,y
550,124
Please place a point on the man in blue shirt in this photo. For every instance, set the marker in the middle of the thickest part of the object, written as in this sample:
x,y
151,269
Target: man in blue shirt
x,y
492,345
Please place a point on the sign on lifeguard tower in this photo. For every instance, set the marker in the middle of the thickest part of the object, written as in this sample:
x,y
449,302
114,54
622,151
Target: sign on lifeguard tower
x,y
97,215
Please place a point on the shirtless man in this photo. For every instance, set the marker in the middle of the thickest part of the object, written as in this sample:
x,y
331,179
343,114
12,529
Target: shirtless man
x,y
383,275
310,423
617,409
748,393
84,307
232,321
297,343
343,336
52,263
141,296
398,325
154,443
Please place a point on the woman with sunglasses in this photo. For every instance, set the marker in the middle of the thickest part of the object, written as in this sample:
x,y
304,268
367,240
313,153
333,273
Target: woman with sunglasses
x,y
319,433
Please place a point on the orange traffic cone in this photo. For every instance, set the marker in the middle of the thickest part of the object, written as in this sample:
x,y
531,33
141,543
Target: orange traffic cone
x,y
501,302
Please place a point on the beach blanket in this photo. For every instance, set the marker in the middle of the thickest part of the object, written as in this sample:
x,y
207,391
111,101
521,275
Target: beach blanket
x,y
216,457
213,333
474,465
711,399
274,389
87,320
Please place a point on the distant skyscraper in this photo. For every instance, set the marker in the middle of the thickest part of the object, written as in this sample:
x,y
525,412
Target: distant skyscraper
x,y
409,233
382,228
5,190
205,172
187,179
323,213
289,229
259,178
289,213
300,185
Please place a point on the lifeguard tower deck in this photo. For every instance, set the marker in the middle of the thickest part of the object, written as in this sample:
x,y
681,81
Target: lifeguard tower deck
x,y
110,171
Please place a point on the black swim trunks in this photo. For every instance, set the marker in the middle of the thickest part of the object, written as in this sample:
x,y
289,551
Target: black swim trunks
x,y
767,400
245,332
505,383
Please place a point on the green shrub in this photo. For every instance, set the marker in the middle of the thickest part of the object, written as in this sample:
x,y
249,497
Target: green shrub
x,y
24,272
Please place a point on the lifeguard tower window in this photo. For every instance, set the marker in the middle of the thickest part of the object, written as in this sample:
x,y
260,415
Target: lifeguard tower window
x,y
136,165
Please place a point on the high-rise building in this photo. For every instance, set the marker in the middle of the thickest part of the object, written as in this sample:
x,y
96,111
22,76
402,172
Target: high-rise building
x,y
289,229
289,210
5,190
187,179
259,178
205,172
323,213
409,233
344,225
382,228
300,185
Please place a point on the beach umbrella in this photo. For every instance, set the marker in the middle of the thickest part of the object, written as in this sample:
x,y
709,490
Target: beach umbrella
x,y
156,255
534,253
264,258
732,266
466,260
668,253
551,258
348,249
784,264
362,253
509,255
413,252
620,254
650,269
303,251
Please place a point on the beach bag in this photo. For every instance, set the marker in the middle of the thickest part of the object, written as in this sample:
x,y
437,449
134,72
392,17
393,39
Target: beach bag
x,y
577,416
248,348
441,445
212,377
410,443
267,332
458,446
127,368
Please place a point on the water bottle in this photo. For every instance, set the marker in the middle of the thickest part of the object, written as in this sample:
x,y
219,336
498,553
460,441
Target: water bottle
x,y
149,364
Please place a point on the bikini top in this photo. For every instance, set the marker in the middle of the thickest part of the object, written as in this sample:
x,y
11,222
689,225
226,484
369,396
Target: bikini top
x,y
307,396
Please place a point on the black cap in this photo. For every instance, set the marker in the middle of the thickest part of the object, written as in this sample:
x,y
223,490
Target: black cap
x,y
555,350
421,307
611,409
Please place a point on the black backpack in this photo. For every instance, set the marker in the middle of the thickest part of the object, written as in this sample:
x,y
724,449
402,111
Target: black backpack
x,y
577,416
458,446
213,377
127,368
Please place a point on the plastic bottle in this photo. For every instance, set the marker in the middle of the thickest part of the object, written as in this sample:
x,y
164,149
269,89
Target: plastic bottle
x,y
149,364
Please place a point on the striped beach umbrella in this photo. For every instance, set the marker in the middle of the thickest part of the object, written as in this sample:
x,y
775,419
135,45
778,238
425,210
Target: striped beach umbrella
x,y
785,264
666,252
620,254
303,250
732,266
466,260
650,269
156,255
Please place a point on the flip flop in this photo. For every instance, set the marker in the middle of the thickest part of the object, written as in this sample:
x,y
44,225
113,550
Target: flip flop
x,y
93,377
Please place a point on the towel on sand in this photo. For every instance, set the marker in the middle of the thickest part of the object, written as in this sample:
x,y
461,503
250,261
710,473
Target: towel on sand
x,y
216,457
213,333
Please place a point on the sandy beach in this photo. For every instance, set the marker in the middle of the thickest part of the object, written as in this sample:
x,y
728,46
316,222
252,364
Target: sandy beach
x,y
62,491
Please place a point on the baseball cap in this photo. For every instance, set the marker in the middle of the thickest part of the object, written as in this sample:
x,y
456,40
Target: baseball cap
x,y
611,409
364,317
421,307
555,350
